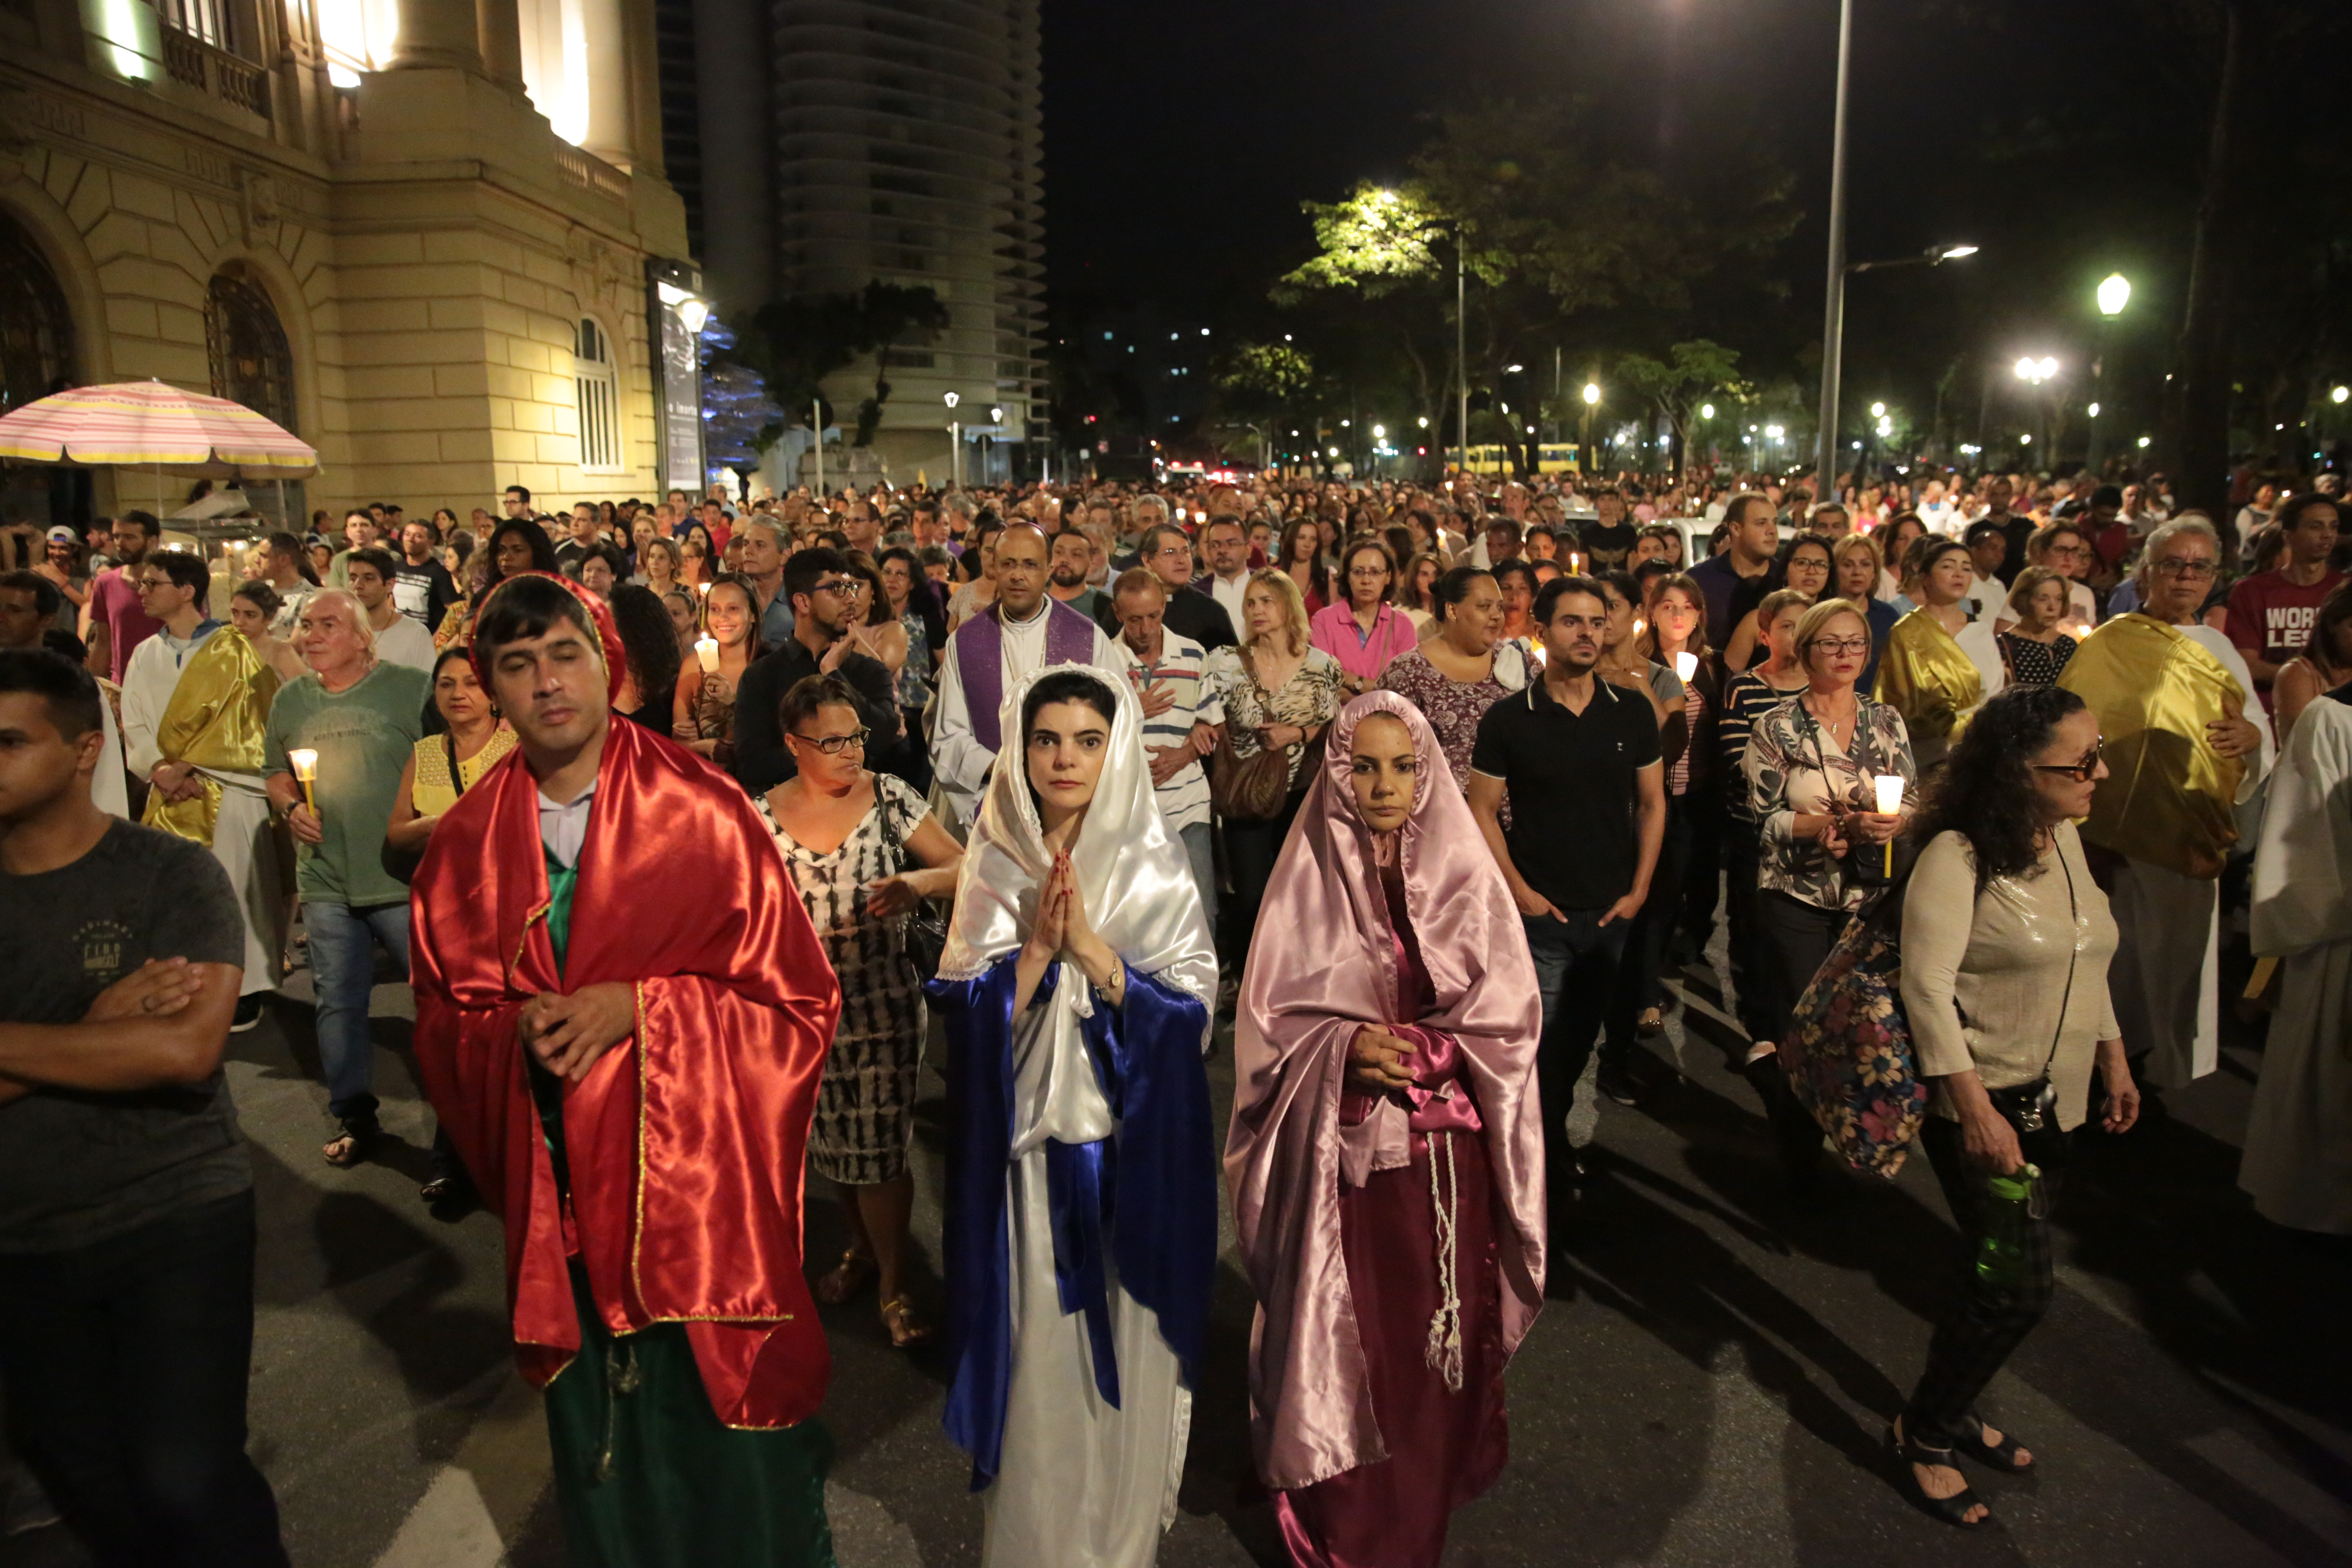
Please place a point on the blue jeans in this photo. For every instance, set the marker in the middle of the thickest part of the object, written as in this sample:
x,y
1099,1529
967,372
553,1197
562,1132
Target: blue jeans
x,y
342,970
1576,972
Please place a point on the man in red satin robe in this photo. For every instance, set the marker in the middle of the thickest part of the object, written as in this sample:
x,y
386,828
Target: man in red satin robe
x,y
621,1015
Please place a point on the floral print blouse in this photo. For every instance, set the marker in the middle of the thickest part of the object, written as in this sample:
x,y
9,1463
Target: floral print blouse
x,y
1309,700
1795,766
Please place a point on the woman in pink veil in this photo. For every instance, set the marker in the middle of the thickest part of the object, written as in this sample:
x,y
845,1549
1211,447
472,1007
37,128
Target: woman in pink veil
x,y
1386,1154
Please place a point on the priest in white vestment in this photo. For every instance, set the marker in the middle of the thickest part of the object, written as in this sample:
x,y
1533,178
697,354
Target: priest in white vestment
x,y
2298,1155
1025,629
192,716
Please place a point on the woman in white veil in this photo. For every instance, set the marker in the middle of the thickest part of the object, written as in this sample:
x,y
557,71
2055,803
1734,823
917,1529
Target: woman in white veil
x,y
1081,1234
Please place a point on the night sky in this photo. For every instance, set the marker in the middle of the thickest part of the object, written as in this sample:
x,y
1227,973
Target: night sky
x,y
1180,136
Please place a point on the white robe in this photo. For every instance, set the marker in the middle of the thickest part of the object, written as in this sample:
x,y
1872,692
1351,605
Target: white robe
x,y
2167,977
958,761
1081,1485
2298,1154
244,841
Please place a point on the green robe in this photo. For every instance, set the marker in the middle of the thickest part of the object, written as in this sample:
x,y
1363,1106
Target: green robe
x,y
646,1475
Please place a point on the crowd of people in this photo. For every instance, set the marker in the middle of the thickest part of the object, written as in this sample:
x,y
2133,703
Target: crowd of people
x,y
687,821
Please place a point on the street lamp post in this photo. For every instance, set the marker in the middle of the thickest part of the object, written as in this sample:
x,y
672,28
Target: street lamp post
x,y
1461,346
1834,308
955,443
2114,293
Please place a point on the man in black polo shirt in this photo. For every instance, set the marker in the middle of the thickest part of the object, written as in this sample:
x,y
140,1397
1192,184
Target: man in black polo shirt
x,y
1580,759
126,1200
818,585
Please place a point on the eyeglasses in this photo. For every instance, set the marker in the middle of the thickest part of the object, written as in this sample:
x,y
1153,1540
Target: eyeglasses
x,y
2188,571
833,745
836,585
2079,772
1856,646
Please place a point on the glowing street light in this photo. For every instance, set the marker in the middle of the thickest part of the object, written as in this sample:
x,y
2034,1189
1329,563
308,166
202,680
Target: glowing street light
x,y
2114,293
2095,411
1878,411
1707,410
2035,371
1591,394
1380,432
1424,421
2340,394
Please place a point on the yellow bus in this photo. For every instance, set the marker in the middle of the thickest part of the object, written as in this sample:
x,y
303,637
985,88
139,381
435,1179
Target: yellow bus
x,y
1551,457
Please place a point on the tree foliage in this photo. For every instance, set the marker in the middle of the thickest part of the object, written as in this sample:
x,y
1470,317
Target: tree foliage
x,y
794,343
1692,373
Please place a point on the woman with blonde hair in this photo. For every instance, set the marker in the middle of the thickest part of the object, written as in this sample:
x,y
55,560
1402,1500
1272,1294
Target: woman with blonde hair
x,y
1279,692
1858,572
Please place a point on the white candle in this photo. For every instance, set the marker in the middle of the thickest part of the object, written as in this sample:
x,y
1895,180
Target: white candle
x,y
1686,665
706,649
1890,801
305,763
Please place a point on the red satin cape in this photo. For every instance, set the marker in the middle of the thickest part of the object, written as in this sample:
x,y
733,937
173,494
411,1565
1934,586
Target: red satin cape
x,y
686,1140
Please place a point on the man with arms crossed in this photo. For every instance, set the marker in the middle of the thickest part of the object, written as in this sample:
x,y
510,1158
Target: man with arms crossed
x,y
126,1200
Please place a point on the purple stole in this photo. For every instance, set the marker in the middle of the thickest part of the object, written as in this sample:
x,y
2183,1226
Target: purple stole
x,y
979,646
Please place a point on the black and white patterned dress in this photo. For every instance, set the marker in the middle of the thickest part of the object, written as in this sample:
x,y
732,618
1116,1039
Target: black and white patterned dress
x,y
865,1101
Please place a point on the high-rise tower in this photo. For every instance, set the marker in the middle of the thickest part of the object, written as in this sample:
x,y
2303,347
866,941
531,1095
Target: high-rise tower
x,y
897,140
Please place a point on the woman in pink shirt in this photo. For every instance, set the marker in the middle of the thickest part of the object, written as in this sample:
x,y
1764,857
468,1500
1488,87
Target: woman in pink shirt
x,y
1364,631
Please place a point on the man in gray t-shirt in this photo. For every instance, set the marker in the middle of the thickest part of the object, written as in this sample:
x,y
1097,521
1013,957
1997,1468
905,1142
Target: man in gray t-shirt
x,y
126,1205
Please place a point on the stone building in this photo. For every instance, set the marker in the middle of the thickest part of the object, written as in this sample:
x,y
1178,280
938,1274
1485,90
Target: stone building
x,y
432,237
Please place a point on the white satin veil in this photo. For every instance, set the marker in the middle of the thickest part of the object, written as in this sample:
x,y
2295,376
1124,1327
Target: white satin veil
x,y
1133,875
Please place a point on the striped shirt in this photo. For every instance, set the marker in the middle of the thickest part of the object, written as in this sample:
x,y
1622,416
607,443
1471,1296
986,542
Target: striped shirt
x,y
1184,798
1746,699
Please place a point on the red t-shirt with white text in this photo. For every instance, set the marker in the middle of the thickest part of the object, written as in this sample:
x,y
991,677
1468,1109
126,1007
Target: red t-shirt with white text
x,y
2271,618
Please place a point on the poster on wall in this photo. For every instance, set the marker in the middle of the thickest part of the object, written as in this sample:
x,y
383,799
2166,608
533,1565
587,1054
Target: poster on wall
x,y
678,311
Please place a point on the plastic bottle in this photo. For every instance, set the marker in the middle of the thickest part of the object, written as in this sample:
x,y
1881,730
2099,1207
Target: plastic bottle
x,y
2012,1203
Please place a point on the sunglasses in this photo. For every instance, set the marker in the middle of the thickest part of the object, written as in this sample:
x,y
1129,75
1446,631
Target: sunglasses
x,y
833,745
2079,772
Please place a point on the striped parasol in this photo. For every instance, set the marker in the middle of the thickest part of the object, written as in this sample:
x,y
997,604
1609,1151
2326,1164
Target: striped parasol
x,y
152,425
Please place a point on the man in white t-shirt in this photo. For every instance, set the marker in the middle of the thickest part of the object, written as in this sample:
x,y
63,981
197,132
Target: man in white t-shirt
x,y
398,639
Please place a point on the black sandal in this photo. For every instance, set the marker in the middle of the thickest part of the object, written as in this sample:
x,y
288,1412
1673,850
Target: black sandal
x,y
2000,1455
1952,1509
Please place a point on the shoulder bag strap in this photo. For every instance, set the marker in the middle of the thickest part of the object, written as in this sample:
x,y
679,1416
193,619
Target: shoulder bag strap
x,y
2074,948
449,749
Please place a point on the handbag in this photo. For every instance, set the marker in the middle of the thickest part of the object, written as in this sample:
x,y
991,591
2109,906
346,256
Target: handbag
x,y
922,934
1849,1053
401,864
1251,788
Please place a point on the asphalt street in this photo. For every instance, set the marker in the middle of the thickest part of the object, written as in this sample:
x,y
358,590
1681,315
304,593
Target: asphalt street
x,y
1708,1384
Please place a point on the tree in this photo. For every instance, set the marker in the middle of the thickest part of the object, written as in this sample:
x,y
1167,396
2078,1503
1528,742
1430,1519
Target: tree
x,y
1676,385
890,314
792,345
1261,385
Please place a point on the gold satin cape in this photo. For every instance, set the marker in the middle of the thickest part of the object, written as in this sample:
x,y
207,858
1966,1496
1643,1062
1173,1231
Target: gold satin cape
x,y
2170,799
1924,676
215,720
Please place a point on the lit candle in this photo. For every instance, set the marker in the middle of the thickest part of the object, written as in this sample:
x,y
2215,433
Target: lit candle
x,y
1575,564
706,649
305,763
1685,665
1890,801
703,589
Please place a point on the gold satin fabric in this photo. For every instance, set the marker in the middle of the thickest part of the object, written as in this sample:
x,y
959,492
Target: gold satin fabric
x,y
2170,799
215,720
1924,676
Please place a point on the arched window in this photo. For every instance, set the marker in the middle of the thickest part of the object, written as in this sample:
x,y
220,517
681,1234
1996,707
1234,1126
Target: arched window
x,y
599,395
35,329
250,362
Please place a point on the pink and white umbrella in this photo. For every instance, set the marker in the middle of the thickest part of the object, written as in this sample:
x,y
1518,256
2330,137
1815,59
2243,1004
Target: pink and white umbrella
x,y
153,425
